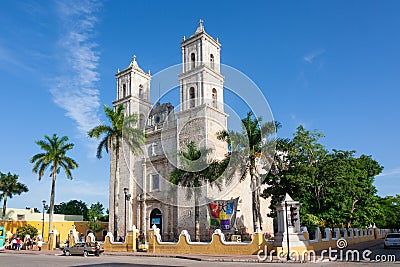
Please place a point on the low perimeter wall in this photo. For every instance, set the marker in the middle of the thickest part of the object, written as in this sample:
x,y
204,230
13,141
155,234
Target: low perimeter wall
x,y
330,238
218,245
129,245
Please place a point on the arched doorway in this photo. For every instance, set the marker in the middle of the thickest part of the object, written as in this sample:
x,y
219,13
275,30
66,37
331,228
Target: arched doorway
x,y
156,218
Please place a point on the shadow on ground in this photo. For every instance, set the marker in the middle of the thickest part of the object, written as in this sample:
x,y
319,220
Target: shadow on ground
x,y
121,265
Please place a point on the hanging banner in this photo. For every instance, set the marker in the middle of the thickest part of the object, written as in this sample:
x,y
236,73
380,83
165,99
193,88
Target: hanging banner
x,y
223,213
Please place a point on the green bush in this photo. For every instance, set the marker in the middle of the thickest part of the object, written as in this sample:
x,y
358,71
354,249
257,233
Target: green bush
x,y
22,231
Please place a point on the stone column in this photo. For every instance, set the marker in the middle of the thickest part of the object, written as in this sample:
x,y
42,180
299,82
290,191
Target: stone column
x,y
138,209
296,237
144,209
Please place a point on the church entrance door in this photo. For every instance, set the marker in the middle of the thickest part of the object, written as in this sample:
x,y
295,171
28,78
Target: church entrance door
x,y
156,219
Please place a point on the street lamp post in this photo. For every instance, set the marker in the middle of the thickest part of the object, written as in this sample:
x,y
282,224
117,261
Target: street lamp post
x,y
94,226
287,232
45,207
127,198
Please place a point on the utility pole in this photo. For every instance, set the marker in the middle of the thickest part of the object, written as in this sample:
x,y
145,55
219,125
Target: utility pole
x,y
287,232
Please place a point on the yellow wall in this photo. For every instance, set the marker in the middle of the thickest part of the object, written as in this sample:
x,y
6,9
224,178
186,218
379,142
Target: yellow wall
x,y
62,227
216,246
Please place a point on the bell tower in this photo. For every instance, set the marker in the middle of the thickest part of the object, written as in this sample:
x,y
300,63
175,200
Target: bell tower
x,y
133,89
201,113
133,92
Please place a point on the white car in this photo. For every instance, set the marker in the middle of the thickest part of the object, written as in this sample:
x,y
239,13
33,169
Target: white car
x,y
392,240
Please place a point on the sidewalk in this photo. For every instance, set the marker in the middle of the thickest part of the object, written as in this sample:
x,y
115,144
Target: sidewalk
x,y
194,257
34,252
198,257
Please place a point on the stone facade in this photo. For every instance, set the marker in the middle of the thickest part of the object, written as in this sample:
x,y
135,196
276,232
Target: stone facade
x,y
200,116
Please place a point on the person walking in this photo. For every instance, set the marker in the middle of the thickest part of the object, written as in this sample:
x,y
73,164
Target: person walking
x,y
14,243
97,251
18,243
39,244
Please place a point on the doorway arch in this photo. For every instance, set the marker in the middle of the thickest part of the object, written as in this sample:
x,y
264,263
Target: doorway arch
x,y
156,219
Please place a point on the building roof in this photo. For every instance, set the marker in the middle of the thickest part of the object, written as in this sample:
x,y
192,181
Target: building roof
x,y
161,108
134,64
199,31
30,215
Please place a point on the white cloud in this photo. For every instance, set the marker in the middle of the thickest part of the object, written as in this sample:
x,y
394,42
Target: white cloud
x,y
75,91
391,172
311,56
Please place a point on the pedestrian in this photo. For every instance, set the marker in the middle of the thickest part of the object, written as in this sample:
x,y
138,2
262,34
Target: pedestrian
x,y
18,243
14,243
97,251
28,243
39,244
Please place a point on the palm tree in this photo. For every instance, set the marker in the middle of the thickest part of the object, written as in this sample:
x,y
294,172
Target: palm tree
x,y
254,142
10,186
53,155
123,127
193,175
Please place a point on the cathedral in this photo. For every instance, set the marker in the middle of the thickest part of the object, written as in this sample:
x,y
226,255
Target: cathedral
x,y
140,192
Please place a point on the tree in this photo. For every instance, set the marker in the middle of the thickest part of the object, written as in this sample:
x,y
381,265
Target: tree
x,y
53,156
256,141
388,212
28,229
95,216
98,209
9,186
336,188
194,173
72,207
122,128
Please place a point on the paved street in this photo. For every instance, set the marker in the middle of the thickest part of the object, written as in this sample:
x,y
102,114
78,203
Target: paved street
x,y
54,258
378,252
34,260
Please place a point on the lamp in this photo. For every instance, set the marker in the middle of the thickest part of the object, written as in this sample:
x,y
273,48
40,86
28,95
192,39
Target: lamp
x,y
127,198
95,219
45,207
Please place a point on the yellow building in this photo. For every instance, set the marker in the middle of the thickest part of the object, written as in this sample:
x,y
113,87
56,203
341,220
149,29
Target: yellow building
x,y
61,223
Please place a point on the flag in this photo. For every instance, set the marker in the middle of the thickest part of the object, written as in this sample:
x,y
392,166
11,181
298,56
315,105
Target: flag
x,y
229,207
214,210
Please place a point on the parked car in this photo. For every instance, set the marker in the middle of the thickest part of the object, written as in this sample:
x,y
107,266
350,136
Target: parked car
x,y
84,249
392,240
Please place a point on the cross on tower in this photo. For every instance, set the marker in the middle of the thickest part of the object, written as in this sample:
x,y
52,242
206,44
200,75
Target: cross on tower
x,y
134,58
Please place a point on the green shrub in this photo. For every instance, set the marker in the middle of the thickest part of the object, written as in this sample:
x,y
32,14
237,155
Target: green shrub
x,y
22,231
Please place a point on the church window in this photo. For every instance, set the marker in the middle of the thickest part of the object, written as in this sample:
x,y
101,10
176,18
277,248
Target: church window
x,y
214,97
192,97
212,61
141,91
157,119
193,58
155,182
141,121
124,90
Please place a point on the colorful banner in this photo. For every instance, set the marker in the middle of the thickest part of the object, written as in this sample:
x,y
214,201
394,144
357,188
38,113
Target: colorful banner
x,y
223,214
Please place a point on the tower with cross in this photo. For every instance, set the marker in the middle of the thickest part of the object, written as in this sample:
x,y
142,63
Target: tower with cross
x,y
201,113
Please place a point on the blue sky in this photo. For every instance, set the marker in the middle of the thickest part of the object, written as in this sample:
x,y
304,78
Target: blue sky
x,y
329,65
